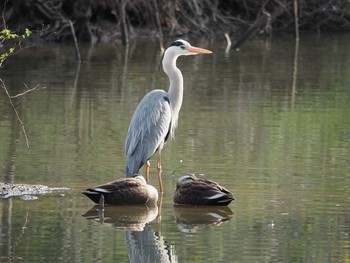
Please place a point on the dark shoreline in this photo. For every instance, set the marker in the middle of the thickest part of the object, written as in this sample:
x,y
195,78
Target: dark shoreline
x,y
111,21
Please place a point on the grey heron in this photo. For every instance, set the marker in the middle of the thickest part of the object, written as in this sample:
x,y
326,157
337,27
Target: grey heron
x,y
156,116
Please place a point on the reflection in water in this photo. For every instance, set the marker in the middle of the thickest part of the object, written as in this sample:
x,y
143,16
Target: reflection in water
x,y
7,247
143,244
192,218
147,246
6,228
127,217
295,72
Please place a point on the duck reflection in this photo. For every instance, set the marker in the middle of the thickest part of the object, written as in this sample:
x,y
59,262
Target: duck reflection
x,y
193,218
132,217
142,243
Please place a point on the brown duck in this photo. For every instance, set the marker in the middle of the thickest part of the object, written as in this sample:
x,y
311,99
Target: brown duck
x,y
191,190
125,191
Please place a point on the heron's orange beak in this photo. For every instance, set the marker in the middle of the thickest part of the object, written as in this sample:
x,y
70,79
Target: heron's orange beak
x,y
198,50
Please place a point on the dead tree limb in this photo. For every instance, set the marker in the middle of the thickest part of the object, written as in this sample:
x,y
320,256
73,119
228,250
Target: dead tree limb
x,y
54,11
77,50
159,26
26,91
124,27
296,20
2,84
16,112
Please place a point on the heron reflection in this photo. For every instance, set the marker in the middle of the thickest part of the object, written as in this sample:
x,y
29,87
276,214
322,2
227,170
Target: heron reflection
x,y
143,244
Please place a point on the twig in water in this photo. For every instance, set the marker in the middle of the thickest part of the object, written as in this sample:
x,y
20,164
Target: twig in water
x,y
25,92
2,84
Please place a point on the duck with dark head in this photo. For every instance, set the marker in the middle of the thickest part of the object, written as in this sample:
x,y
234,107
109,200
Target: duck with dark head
x,y
126,191
191,190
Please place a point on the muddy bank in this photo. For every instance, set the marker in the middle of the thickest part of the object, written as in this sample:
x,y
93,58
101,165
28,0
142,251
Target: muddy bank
x,y
27,190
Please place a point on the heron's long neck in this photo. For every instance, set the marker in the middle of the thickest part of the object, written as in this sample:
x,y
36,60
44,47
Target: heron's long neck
x,y
175,91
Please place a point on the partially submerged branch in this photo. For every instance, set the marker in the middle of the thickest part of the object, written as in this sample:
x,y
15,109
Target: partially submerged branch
x,y
25,92
2,84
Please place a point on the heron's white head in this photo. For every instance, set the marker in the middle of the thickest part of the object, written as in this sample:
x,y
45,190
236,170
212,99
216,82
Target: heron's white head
x,y
179,48
182,48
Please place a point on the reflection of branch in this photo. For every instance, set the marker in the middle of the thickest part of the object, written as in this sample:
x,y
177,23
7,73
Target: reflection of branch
x,y
295,71
25,224
19,238
2,84
296,53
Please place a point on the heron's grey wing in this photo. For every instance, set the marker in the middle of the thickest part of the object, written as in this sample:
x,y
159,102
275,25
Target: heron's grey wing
x,y
148,129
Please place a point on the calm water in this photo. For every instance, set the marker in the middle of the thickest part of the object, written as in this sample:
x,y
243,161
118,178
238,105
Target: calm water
x,y
273,129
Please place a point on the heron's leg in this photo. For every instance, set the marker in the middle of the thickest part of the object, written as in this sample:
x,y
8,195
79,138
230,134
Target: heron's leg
x,y
147,171
159,169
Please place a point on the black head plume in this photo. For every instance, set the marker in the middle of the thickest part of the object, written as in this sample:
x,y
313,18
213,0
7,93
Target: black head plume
x,y
177,43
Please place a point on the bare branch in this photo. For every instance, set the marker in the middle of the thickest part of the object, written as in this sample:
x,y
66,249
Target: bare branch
x,y
26,91
77,51
2,83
